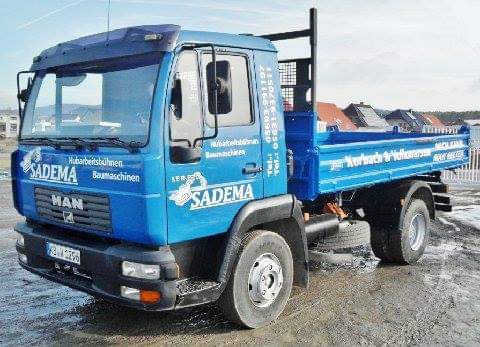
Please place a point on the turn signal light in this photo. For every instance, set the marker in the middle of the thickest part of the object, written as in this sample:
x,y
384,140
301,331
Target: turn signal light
x,y
142,295
150,296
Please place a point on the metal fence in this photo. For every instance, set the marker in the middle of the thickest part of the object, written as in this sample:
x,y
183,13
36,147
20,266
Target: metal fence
x,y
469,173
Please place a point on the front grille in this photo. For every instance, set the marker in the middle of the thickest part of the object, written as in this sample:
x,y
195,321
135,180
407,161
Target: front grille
x,y
86,211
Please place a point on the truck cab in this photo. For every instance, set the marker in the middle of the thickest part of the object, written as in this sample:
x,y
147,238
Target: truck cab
x,y
135,147
141,128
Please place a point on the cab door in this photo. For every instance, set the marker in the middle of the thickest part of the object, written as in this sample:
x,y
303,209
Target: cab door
x,y
208,185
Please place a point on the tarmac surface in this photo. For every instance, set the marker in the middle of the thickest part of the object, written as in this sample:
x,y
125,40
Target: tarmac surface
x,y
436,301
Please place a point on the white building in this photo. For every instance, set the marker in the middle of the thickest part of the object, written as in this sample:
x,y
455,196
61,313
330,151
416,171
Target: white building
x,y
9,124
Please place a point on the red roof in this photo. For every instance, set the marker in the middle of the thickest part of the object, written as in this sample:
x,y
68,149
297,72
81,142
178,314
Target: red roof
x,y
332,115
430,119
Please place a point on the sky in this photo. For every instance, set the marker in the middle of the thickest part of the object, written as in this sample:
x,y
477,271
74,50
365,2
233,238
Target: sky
x,y
420,54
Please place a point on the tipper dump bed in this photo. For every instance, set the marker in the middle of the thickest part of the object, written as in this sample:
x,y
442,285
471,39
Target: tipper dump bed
x,y
328,162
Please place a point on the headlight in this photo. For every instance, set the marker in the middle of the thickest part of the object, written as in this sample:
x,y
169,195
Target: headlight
x,y
137,270
20,240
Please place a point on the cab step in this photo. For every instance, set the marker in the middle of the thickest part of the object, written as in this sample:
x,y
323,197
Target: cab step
x,y
196,291
192,285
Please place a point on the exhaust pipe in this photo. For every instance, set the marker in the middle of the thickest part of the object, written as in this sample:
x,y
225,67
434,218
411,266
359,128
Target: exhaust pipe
x,y
322,225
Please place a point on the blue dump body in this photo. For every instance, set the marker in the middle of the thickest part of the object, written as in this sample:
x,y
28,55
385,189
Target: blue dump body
x,y
329,162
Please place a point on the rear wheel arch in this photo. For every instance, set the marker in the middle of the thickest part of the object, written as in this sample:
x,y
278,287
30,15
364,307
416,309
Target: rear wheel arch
x,y
422,192
386,204
407,191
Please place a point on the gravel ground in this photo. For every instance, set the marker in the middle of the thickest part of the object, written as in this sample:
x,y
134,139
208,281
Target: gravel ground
x,y
436,301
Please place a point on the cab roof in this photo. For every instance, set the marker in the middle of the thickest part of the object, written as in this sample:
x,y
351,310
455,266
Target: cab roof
x,y
138,40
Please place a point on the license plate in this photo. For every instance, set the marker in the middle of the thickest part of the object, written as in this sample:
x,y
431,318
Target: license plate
x,y
64,253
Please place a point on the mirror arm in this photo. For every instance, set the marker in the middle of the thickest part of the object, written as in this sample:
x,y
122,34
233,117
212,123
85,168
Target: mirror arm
x,y
20,110
18,93
215,99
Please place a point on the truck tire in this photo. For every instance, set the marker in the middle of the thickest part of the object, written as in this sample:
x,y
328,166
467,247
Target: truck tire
x,y
261,280
350,234
379,244
407,245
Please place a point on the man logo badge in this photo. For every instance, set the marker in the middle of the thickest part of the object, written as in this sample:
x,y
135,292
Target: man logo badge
x,y
68,217
65,201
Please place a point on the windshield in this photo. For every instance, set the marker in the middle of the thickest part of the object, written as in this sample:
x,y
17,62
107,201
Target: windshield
x,y
103,100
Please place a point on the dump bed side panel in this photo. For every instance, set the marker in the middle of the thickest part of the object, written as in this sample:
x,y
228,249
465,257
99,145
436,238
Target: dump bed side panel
x,y
353,165
329,162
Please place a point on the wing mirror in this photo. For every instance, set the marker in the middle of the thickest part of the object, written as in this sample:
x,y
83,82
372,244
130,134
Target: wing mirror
x,y
222,85
219,84
23,94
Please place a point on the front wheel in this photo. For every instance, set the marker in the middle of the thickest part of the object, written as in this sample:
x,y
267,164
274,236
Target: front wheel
x,y
261,281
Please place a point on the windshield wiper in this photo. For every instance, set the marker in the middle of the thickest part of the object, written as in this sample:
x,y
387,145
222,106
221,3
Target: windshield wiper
x,y
78,142
58,142
40,141
132,146
91,143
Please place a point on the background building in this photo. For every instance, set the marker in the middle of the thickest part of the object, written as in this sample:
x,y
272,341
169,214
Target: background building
x,y
406,120
9,124
432,120
332,115
364,116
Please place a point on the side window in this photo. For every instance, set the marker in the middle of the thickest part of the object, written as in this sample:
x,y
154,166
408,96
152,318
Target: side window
x,y
241,112
186,121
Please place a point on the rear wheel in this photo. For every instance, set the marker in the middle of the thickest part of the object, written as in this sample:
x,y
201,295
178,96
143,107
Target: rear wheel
x,y
407,244
261,281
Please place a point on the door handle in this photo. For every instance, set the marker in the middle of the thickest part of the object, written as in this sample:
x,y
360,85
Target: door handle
x,y
250,170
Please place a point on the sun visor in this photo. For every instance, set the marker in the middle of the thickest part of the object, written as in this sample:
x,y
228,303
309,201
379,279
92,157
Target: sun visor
x,y
114,44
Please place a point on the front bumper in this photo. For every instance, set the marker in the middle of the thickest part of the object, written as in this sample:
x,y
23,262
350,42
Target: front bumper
x,y
100,271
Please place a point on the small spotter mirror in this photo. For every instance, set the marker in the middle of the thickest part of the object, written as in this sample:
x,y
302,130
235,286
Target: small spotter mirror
x,y
176,101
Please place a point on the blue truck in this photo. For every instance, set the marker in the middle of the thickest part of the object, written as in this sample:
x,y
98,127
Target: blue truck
x,y
161,168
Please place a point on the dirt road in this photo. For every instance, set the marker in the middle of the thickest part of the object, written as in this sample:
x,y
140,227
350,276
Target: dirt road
x,y
436,301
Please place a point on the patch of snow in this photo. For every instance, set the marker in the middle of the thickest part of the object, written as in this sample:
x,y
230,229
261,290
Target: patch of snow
x,y
443,250
469,215
462,193
444,280
446,222
465,199
4,174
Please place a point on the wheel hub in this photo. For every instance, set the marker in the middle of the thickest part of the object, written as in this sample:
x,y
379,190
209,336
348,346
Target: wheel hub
x,y
417,230
265,280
